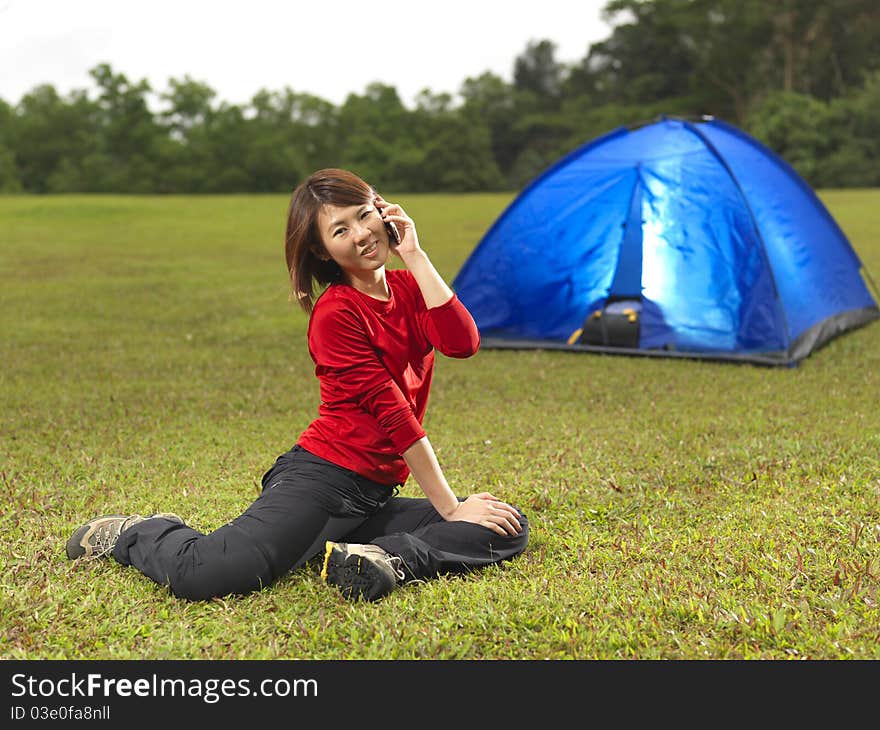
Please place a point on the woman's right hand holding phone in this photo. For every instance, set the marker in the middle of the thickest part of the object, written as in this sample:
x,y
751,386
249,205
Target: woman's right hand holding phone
x,y
393,214
434,290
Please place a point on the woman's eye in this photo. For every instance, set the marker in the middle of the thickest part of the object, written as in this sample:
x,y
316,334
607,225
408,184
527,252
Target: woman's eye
x,y
338,231
366,213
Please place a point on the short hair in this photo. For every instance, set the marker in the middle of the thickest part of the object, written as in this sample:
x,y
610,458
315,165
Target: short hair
x,y
303,245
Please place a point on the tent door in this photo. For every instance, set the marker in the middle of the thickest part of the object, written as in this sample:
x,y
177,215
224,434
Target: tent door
x,y
627,281
616,324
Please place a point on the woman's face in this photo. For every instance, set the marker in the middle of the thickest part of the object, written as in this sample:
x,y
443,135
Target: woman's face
x,y
354,236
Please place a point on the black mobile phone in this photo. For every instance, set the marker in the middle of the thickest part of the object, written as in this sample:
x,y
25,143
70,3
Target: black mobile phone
x,y
393,233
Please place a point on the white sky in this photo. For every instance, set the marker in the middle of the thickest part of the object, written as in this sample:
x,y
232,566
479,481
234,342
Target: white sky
x,y
324,47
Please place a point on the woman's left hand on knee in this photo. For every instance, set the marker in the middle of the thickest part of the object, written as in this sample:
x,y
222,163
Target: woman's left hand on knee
x,y
489,511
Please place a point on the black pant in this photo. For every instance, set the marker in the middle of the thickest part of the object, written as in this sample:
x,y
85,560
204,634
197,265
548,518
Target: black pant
x,y
305,501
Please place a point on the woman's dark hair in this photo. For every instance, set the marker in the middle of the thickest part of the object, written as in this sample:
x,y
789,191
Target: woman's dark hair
x,y
307,259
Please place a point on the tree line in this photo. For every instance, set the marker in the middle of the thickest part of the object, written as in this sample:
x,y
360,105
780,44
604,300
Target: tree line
x,y
802,76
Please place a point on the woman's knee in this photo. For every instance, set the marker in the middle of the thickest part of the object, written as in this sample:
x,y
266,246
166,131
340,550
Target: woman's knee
x,y
208,572
191,590
204,588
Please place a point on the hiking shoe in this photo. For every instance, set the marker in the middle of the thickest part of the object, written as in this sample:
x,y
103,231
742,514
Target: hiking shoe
x,y
361,572
98,536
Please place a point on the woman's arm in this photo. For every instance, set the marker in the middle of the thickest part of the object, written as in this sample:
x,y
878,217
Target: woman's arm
x,y
482,509
434,290
446,322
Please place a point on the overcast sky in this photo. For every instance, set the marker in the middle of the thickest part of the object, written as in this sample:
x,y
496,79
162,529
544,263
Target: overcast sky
x,y
328,48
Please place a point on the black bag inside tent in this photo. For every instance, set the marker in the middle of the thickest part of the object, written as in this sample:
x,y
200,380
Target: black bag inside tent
x,y
614,325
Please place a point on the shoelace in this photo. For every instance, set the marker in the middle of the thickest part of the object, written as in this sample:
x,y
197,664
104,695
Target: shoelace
x,y
395,563
105,537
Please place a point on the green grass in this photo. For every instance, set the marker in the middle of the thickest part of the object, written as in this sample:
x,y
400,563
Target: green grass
x,y
679,509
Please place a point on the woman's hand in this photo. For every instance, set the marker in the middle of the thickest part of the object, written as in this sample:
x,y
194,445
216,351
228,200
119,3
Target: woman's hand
x,y
393,213
434,290
488,511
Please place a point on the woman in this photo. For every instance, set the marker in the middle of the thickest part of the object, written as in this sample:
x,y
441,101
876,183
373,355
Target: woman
x,y
372,335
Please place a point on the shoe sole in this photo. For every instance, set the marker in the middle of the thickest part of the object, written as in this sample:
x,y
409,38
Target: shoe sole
x,y
74,547
356,578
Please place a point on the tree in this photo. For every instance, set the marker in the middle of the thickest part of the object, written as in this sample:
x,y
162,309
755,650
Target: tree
x,y
376,136
7,120
189,106
301,133
643,59
128,133
225,152
49,130
824,48
489,101
9,177
9,182
796,126
536,72
855,161
449,150
799,74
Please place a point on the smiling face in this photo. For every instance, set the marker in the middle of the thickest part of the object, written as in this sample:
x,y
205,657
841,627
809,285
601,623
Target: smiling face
x,y
355,238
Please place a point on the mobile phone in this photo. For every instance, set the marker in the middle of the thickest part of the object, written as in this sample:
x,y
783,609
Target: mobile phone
x,y
393,233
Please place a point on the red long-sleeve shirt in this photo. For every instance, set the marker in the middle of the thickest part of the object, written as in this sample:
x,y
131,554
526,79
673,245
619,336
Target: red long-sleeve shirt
x,y
374,361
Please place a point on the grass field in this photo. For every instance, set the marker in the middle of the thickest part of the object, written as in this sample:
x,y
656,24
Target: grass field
x,y
679,509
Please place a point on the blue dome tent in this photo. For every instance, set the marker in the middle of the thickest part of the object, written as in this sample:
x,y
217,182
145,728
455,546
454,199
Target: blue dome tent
x,y
675,238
